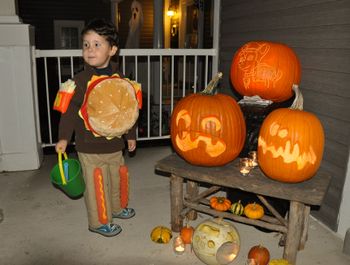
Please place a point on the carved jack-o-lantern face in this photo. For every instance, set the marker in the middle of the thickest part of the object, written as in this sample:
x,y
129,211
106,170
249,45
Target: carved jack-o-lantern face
x,y
185,143
207,130
290,145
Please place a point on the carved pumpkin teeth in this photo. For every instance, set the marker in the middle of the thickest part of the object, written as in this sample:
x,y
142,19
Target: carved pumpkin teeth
x,y
288,155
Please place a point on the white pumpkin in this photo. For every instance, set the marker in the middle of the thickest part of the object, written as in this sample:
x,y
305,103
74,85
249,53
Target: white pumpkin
x,y
212,239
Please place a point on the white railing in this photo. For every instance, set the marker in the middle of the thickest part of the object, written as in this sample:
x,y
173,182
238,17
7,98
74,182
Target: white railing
x,y
166,76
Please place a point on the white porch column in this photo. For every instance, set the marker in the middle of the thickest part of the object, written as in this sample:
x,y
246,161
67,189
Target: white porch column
x,y
19,135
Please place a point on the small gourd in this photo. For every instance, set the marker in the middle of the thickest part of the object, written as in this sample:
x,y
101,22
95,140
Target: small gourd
x,y
259,254
161,234
254,211
279,262
186,234
237,208
220,203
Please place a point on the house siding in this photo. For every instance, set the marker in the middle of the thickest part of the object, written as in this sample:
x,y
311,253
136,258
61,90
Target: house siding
x,y
319,32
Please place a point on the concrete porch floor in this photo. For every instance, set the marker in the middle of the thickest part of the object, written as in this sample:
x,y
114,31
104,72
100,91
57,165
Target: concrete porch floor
x,y
42,226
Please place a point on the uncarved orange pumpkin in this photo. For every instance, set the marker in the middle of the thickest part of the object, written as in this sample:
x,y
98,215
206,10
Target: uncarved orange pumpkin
x,y
186,234
290,144
206,129
267,69
260,254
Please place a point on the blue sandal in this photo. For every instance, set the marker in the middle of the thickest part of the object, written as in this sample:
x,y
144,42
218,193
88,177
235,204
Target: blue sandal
x,y
126,213
107,230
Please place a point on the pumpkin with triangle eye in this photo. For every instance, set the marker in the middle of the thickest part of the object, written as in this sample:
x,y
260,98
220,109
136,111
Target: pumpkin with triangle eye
x,y
267,69
290,143
208,129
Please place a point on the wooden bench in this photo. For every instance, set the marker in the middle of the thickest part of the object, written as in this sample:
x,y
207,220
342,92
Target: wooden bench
x,y
294,226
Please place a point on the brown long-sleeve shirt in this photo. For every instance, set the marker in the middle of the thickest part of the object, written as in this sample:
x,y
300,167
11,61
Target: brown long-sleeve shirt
x,y
71,122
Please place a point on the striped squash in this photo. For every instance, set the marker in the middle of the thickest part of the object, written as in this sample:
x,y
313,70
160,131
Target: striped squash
x,y
237,208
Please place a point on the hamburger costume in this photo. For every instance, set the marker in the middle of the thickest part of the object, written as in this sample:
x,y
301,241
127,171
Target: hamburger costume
x,y
102,114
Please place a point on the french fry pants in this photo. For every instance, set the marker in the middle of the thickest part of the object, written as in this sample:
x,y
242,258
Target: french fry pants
x,y
101,176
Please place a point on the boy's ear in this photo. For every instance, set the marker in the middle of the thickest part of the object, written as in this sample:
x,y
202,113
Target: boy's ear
x,y
113,50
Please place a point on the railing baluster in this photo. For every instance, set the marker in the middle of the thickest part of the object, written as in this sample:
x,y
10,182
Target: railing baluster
x,y
172,84
136,68
71,67
184,77
160,93
195,77
124,65
148,96
206,72
48,101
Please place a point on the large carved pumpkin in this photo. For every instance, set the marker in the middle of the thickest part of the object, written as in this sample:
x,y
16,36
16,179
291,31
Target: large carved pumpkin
x,y
290,144
266,69
208,130
210,240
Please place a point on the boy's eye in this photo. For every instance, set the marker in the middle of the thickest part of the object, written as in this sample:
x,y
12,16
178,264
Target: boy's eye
x,y
85,45
97,45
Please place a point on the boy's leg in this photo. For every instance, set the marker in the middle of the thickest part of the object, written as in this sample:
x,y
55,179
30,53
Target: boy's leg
x,y
116,159
89,163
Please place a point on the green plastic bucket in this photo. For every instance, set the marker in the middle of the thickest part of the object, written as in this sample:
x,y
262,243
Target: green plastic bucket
x,y
74,186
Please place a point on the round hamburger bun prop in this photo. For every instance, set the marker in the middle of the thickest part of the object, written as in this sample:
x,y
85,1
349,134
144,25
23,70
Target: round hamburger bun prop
x,y
111,105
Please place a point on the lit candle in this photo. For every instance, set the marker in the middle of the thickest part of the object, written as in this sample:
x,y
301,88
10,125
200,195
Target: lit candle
x,y
178,245
251,262
245,165
254,157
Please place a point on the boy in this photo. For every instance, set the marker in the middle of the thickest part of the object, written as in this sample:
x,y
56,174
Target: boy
x,y
100,44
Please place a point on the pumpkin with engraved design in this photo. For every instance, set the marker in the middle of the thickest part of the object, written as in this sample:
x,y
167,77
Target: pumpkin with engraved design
x,y
267,69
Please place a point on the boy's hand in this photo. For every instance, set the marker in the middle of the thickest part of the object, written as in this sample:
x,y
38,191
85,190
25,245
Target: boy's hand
x,y
131,145
61,146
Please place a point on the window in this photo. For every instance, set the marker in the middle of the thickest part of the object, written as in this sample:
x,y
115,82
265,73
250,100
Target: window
x,y
67,34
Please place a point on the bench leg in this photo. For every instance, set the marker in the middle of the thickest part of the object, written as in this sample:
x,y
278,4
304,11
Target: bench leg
x,y
305,227
192,191
176,202
295,227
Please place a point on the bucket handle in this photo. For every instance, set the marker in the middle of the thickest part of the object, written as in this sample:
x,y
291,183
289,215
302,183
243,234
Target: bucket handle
x,y
60,166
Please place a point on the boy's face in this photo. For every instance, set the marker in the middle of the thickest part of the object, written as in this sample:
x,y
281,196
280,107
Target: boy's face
x,y
97,52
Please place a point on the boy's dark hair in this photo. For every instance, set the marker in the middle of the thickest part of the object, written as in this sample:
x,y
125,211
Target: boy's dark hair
x,y
103,28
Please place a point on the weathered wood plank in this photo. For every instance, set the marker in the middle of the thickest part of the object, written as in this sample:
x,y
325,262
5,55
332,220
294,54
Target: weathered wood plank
x,y
295,224
245,7
309,192
337,131
176,202
192,191
329,13
336,153
327,82
305,228
319,37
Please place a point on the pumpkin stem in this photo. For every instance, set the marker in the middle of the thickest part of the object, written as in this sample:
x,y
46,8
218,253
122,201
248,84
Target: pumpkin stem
x,y
298,102
212,84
